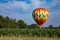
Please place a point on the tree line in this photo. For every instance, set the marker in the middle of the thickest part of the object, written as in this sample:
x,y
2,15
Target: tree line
x,y
7,22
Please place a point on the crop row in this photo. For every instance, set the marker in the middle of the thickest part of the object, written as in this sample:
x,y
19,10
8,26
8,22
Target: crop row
x,y
31,32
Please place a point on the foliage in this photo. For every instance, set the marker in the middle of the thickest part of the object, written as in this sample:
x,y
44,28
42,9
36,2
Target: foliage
x,y
11,27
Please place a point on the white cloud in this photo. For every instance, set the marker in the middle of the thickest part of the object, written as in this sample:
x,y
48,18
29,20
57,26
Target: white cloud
x,y
20,4
35,3
51,4
25,6
15,4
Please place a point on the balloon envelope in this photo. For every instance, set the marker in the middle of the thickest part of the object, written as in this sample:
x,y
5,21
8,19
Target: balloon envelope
x,y
40,15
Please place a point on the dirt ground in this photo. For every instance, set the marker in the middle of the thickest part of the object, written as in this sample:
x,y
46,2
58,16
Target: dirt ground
x,y
26,38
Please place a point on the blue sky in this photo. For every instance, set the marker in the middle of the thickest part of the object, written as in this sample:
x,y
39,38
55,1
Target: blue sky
x,y
22,9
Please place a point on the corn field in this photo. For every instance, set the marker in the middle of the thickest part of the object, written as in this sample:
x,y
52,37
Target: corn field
x,y
30,32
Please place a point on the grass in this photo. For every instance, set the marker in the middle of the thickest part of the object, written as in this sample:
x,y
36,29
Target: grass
x,y
26,38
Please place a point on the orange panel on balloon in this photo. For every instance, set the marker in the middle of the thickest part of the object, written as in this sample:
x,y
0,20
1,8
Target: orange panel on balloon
x,y
40,15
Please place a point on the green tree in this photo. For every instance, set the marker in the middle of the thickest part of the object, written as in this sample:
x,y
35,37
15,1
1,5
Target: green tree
x,y
50,26
12,23
6,22
59,26
21,24
1,21
34,26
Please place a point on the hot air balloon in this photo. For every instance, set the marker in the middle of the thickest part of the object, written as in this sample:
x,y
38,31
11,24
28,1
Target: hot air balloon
x,y
40,15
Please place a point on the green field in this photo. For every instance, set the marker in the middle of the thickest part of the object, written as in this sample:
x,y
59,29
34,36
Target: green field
x,y
30,32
